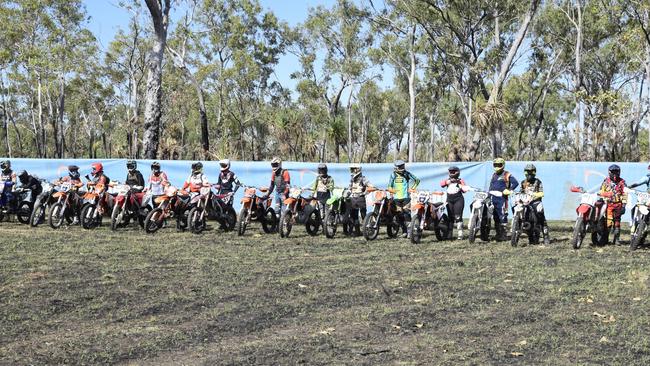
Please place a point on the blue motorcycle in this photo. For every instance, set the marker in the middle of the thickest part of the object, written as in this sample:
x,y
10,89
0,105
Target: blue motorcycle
x,y
16,202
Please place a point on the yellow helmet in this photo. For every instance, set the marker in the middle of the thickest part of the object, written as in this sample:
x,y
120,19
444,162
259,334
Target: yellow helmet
x,y
499,164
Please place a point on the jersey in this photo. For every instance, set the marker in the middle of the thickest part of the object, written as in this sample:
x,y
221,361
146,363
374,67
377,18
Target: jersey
x,y
227,181
616,188
401,182
503,181
358,185
195,181
323,184
157,183
280,182
532,187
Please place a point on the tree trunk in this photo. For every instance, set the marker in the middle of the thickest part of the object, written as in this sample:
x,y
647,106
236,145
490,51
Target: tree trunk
x,y
159,10
60,138
5,115
411,81
349,144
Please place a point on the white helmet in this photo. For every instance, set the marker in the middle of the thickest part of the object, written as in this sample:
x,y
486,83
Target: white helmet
x,y
225,164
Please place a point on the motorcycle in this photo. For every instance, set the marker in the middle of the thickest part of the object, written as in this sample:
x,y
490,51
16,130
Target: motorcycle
x,y
171,204
197,217
482,209
524,219
429,212
383,213
257,208
91,216
337,212
640,218
591,218
220,209
298,209
127,207
20,205
65,206
42,203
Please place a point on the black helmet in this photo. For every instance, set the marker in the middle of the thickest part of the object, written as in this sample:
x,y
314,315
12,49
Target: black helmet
x,y
131,165
155,167
614,171
322,169
530,171
23,176
454,172
197,167
399,165
73,172
355,170
5,165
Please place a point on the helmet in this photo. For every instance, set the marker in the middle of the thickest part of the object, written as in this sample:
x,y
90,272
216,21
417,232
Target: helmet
x,y
530,171
614,171
276,163
197,167
225,164
155,167
399,165
96,168
499,164
5,165
355,170
73,172
131,165
23,176
322,169
454,172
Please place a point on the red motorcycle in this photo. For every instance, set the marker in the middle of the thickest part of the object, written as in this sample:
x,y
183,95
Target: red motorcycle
x,y
591,218
129,206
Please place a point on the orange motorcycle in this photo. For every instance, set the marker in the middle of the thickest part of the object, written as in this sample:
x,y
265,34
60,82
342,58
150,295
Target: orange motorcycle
x,y
257,205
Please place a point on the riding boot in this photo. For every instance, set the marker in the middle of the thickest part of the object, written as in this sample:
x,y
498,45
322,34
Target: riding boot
x,y
459,230
617,234
357,228
501,232
547,238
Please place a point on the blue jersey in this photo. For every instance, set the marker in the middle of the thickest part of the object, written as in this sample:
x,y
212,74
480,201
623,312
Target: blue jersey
x,y
503,181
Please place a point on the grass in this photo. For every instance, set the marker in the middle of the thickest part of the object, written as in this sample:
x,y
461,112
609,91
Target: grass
x,y
96,297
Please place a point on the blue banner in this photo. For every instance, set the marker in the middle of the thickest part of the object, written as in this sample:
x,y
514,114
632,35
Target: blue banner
x,y
558,177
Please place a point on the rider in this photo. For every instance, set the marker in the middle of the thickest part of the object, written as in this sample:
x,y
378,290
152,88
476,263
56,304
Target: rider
x,y
358,186
97,171
135,180
157,180
30,183
74,178
400,182
613,187
197,179
323,185
280,181
228,181
504,182
533,186
455,200
7,176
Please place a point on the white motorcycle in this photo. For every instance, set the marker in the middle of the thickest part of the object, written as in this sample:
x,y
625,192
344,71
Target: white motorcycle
x,y
524,219
640,218
481,216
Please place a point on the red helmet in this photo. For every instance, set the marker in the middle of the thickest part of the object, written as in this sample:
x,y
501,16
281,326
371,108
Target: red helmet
x,y
96,168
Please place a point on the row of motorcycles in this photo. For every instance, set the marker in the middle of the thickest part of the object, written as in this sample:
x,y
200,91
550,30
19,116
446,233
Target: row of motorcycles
x,y
89,204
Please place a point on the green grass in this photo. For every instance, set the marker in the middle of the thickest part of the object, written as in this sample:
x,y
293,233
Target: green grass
x,y
95,297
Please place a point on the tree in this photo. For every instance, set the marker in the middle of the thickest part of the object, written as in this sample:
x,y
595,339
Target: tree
x,y
159,10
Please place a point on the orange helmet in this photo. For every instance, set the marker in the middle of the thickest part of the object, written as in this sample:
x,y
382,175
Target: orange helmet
x,y
96,168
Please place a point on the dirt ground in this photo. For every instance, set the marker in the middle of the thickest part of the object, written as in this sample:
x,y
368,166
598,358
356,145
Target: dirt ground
x,y
71,296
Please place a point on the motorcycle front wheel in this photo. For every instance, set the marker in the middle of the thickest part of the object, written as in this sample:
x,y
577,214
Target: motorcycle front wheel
x,y
330,224
638,235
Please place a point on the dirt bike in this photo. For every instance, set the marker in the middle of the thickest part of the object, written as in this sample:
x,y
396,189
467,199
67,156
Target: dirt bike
x,y
524,219
197,216
171,204
257,207
65,206
127,207
93,199
640,218
18,205
383,213
429,213
42,203
591,218
220,209
298,209
482,209
337,212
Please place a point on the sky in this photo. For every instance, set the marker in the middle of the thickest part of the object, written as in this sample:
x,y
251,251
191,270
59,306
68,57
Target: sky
x,y
106,17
